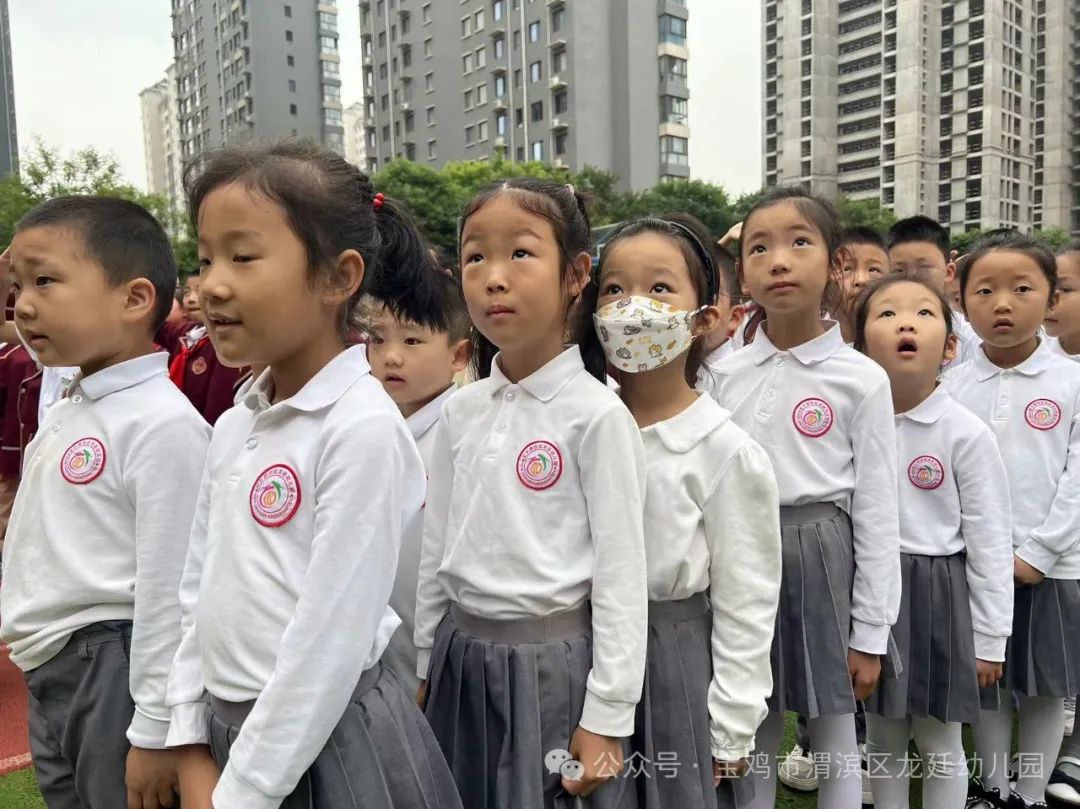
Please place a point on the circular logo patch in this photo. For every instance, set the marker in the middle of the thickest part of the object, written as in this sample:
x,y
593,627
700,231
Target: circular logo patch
x,y
1043,414
812,417
199,366
83,462
275,496
539,465
926,472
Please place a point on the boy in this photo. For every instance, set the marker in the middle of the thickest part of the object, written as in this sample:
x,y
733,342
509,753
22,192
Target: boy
x,y
417,341
920,245
1063,321
865,260
718,344
99,530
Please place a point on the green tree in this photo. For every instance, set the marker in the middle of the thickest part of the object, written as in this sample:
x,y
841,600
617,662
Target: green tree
x,y
864,213
1054,238
706,201
962,242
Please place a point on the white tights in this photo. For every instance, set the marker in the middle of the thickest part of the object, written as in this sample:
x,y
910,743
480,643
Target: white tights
x,y
836,758
943,767
1042,724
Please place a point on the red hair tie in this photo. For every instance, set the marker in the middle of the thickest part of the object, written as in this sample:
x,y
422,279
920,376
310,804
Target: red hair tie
x,y
378,201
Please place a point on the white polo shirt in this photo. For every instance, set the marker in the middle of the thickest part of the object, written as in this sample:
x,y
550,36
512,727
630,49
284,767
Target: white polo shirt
x,y
823,412
1034,412
293,555
699,463
534,507
1054,345
967,341
954,497
99,529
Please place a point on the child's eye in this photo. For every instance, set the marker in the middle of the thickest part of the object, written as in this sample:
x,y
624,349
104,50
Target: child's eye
x,y
927,312
757,249
473,259
412,341
1023,288
375,340
521,253
660,289
239,259
801,242
849,270
612,289
984,291
887,313
876,271
43,280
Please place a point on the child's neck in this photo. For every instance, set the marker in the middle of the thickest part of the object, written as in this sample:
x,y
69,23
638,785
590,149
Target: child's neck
x,y
138,348
792,329
409,409
290,374
1070,343
657,395
907,396
847,327
1013,355
517,364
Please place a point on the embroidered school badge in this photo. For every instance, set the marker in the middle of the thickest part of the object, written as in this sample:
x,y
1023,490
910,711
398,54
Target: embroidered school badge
x,y
539,465
1043,414
275,496
926,472
199,366
83,462
812,417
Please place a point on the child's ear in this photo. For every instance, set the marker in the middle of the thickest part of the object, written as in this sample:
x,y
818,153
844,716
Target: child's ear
x,y
347,277
140,299
950,271
706,321
462,354
736,314
951,342
582,269
1055,297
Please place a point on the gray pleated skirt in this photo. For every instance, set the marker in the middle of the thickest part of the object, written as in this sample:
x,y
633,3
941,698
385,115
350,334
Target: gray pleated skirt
x,y
381,755
502,695
1043,654
671,738
813,622
936,642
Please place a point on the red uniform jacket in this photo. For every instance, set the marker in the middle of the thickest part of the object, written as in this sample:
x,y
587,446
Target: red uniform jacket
x,y
196,370
20,387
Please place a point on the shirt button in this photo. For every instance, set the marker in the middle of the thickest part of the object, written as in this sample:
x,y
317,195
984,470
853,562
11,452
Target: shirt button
x,y
501,428
510,396
252,442
769,393
779,362
56,428
77,398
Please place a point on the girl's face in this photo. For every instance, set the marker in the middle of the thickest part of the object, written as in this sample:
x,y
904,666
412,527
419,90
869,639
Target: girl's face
x,y
1063,320
649,265
906,333
786,262
1006,298
190,301
511,276
261,306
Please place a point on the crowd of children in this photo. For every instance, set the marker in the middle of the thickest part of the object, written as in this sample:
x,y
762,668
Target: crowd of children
x,y
344,527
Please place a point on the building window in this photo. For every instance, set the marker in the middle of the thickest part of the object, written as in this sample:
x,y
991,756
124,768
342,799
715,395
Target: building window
x,y
519,116
675,109
517,40
481,94
290,61
500,86
535,73
328,43
538,150
292,109
517,78
478,19
498,9
288,11
470,135
288,36
560,144
500,48
332,117
386,133
558,61
431,150
384,102
468,99
534,34
425,14
672,66
561,102
466,63
481,58
466,26
427,48
406,23
675,151
536,111
557,20
328,21
673,30
292,85
501,124
429,83
482,131
431,116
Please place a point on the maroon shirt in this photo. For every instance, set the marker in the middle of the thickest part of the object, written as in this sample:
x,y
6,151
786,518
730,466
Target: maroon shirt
x,y
20,383
197,371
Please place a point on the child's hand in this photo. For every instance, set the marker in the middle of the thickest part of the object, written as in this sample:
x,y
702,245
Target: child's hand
x,y
728,769
151,778
601,758
733,235
421,694
1025,573
865,670
989,673
198,776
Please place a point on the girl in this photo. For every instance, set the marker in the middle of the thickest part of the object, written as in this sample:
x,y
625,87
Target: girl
x,y
531,606
956,602
1030,398
277,694
1063,319
711,532
823,413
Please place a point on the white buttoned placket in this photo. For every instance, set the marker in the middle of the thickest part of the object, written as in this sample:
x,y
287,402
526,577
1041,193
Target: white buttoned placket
x,y
503,419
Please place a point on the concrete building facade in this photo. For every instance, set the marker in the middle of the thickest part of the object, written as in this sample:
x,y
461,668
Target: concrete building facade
x,y
161,139
9,141
571,82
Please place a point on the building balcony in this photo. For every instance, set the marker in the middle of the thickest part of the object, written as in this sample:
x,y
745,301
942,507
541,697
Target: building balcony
x,y
672,85
499,103
556,82
673,8
669,169
406,106
500,142
559,124
559,163
553,4
498,68
558,40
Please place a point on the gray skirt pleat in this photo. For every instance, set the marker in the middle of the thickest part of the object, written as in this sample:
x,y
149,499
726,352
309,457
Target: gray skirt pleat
x,y
1043,654
504,694
813,622
381,755
936,643
671,740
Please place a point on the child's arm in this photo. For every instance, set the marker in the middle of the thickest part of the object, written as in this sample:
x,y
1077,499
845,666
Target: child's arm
x,y
368,480
743,531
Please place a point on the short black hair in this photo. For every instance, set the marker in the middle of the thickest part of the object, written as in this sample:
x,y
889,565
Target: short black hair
x,y
729,274
919,229
863,235
124,238
1071,247
428,295
1012,241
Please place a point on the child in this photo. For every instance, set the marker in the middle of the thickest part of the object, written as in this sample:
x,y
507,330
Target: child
x,y
533,538
711,532
189,300
955,542
919,245
1063,320
417,341
277,694
720,342
865,260
97,537
823,413
1030,398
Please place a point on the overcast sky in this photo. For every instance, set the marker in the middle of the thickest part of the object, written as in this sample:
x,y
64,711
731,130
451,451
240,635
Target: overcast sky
x,y
80,64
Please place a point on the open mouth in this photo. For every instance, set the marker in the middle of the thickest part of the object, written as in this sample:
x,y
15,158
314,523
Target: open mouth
x,y
908,347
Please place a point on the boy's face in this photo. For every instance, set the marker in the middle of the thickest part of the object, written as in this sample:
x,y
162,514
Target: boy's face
x,y
65,308
731,317
863,264
1063,319
1007,298
922,258
414,363
190,300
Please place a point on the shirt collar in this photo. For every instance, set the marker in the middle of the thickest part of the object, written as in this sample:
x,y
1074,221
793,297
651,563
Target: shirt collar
x,y
685,431
424,419
546,382
809,353
321,391
123,375
929,409
1032,366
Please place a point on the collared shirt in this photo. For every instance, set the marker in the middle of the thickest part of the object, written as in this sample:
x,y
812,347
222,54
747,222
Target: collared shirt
x,y
954,497
100,526
1034,411
535,506
823,412
293,553
967,341
1053,344
401,653
699,463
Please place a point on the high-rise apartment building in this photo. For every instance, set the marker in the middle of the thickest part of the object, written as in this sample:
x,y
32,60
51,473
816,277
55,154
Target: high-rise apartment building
x,y
353,121
9,142
254,69
958,109
572,82
161,139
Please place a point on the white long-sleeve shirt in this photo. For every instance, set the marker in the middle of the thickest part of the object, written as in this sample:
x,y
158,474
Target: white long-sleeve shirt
x,y
287,585
534,507
712,521
954,497
823,412
1034,412
100,526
